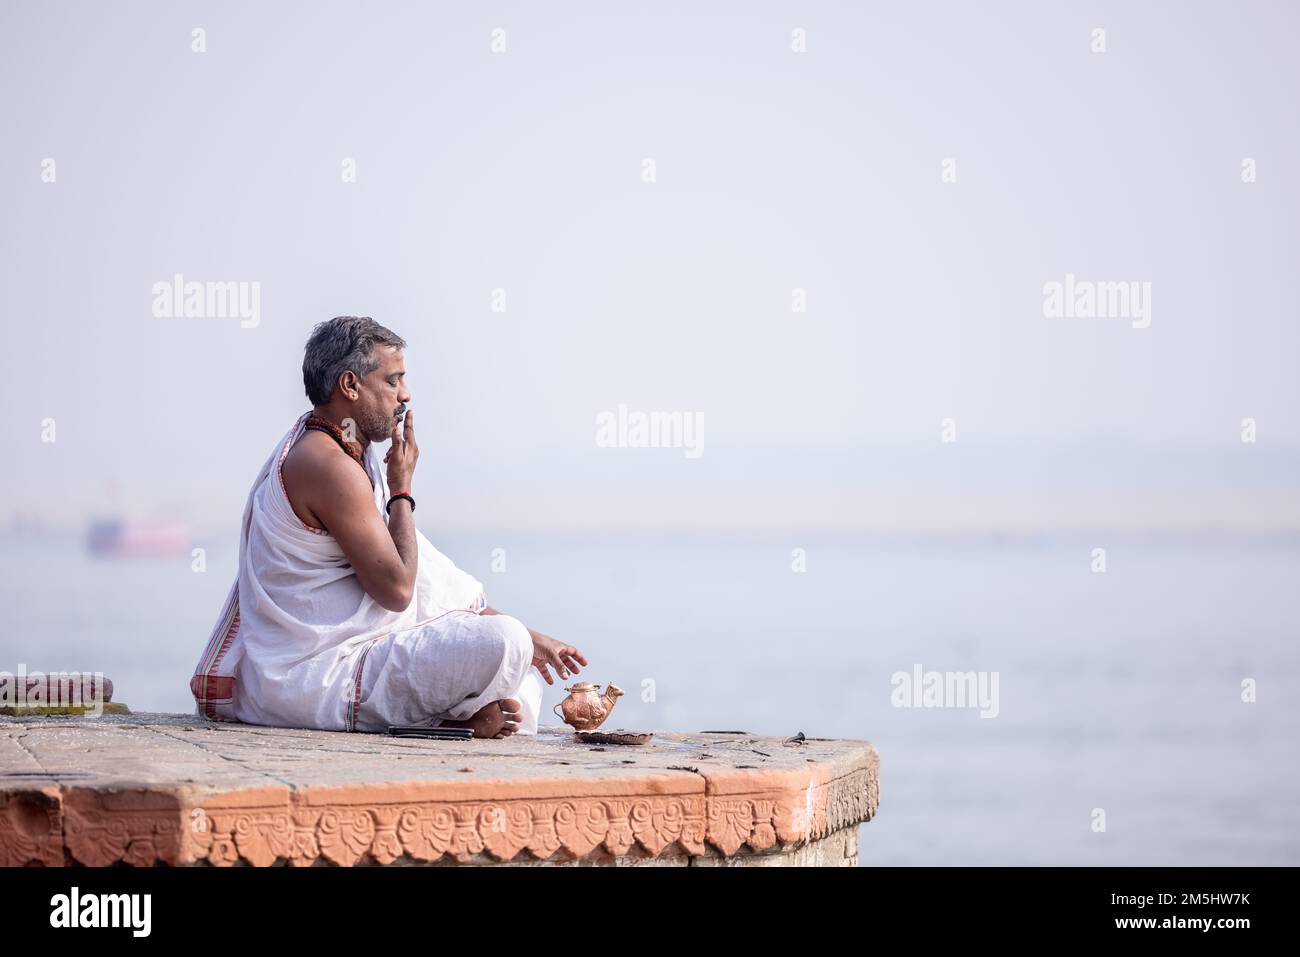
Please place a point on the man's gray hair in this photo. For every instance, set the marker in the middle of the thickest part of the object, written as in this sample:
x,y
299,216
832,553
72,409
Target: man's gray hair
x,y
338,345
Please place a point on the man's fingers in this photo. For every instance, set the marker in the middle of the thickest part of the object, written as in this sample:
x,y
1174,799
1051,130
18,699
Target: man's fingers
x,y
558,664
410,425
541,666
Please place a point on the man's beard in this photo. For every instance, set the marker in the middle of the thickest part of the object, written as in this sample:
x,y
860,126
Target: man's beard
x,y
377,428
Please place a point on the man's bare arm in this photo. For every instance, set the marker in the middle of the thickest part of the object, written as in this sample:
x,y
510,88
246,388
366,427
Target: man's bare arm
x,y
384,557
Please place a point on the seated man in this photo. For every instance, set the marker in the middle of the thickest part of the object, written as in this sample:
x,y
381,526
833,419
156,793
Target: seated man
x,y
345,617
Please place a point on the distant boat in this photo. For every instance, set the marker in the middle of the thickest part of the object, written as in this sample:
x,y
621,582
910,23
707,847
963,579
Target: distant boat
x,y
133,538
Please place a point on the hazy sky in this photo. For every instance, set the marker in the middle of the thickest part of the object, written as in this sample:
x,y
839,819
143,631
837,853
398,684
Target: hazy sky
x,y
774,170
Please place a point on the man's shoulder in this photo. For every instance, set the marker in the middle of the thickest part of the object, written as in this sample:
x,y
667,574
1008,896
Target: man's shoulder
x,y
315,464
315,456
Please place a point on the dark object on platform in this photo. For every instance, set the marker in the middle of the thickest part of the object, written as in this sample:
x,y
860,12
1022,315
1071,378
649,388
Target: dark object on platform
x,y
617,736
414,731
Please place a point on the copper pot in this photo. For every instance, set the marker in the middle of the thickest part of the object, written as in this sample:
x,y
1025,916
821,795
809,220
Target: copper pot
x,y
586,708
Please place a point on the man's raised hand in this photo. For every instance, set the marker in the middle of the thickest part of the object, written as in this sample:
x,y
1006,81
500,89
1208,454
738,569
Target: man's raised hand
x,y
402,455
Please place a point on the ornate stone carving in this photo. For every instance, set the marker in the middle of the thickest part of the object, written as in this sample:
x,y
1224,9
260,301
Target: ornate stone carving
x,y
31,829
346,834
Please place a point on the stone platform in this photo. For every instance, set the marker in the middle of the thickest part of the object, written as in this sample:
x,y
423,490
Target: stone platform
x,y
145,789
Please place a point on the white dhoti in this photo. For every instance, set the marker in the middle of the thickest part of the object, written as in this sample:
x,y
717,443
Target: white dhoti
x,y
449,668
299,642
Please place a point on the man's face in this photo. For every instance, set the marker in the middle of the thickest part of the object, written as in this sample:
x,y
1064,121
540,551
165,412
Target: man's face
x,y
383,396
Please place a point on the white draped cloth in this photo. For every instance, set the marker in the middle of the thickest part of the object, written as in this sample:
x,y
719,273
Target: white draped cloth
x,y
299,642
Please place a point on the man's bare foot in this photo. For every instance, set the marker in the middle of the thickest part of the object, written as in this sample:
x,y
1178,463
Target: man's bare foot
x,y
497,719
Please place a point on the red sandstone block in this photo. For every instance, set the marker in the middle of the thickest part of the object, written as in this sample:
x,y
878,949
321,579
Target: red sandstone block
x,y
53,689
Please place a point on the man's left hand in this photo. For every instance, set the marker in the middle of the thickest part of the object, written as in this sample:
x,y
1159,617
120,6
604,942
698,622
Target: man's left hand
x,y
556,654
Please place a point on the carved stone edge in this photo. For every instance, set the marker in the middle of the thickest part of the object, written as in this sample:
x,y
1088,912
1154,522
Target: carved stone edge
x,y
31,827
275,825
